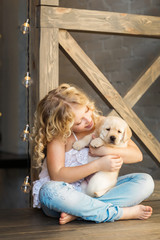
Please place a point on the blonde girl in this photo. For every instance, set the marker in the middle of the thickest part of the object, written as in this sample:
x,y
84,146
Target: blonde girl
x,y
64,115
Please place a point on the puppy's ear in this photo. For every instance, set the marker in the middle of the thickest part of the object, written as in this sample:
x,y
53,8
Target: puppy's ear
x,y
99,126
127,134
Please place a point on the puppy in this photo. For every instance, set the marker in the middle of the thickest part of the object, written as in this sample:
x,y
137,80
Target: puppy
x,y
110,131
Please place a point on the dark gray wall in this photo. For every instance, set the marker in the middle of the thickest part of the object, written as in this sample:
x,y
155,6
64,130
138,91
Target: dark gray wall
x,y
12,71
12,100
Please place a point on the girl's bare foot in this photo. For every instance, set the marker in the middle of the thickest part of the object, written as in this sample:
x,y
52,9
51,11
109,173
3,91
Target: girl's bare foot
x,y
137,212
65,218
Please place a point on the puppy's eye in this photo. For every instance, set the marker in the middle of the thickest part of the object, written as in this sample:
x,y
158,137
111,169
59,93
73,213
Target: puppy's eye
x,y
119,131
108,129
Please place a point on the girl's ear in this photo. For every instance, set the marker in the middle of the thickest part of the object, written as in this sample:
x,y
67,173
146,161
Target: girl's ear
x,y
127,134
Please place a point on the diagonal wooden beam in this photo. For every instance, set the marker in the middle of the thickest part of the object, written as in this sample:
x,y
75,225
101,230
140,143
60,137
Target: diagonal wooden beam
x,y
107,90
98,21
142,84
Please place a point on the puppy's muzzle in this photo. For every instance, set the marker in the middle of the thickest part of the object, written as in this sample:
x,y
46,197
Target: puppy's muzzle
x,y
112,139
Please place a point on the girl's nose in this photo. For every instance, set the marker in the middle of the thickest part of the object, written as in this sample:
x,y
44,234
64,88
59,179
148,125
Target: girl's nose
x,y
88,117
88,120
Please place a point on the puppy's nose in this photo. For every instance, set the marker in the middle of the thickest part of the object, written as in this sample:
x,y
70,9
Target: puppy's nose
x,y
112,138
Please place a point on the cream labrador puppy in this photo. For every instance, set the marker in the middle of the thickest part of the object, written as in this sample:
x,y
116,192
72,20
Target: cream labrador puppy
x,y
113,132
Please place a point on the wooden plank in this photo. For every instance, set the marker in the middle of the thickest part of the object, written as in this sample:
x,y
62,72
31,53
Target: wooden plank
x,y
34,90
47,2
45,71
48,61
18,224
107,90
142,84
99,21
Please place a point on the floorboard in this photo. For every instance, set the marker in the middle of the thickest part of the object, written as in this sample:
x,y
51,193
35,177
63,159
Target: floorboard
x,y
22,224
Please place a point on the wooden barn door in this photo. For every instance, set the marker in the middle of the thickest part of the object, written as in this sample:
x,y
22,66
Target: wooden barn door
x,y
52,24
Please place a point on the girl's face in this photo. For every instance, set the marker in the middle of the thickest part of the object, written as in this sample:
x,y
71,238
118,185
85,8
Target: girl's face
x,y
83,119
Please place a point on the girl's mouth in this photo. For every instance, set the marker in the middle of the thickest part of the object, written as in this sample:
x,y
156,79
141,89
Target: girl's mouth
x,y
90,125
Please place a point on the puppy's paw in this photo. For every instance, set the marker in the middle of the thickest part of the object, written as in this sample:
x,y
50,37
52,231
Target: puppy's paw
x,y
97,142
99,194
78,145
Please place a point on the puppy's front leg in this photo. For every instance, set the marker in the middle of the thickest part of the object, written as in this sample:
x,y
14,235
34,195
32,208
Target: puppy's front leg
x,y
84,142
97,142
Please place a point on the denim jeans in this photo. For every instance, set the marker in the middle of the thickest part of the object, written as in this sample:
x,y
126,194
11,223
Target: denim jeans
x,y
131,189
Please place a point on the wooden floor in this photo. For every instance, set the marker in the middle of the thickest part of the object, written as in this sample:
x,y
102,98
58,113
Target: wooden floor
x,y
22,224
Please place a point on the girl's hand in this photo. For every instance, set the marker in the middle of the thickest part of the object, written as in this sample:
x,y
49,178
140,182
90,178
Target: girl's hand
x,y
110,163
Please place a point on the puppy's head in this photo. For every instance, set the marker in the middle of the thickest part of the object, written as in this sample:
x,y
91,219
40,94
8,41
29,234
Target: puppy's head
x,y
115,131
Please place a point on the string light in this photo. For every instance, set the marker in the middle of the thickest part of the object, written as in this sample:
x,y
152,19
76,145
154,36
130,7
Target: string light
x,y
26,187
27,82
25,27
25,134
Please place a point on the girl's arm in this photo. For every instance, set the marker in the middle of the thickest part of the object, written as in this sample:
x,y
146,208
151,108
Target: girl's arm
x,y
58,171
129,154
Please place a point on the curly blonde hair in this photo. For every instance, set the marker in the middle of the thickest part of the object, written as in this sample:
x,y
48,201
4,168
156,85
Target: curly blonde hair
x,y
54,117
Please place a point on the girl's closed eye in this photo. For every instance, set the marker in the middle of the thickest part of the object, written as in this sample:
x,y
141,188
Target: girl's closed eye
x,y
79,123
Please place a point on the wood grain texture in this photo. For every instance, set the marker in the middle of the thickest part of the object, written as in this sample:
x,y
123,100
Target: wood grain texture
x,y
44,68
99,21
47,2
30,224
108,91
34,68
143,83
48,61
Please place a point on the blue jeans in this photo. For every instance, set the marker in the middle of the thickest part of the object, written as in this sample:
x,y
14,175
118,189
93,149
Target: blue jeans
x,y
131,189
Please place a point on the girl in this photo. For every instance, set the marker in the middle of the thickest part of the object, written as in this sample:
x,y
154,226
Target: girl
x,y
62,117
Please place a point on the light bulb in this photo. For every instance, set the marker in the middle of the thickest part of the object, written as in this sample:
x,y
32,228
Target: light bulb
x,y
27,80
25,134
25,27
26,187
